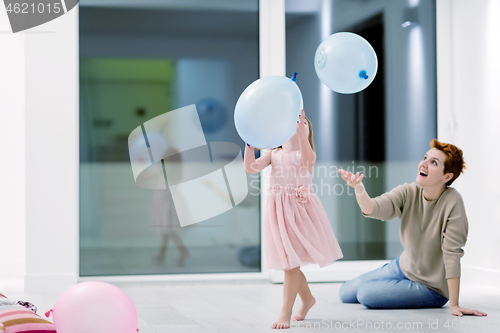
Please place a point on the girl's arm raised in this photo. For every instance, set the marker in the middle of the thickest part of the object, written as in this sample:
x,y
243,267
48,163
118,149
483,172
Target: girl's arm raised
x,y
252,165
308,156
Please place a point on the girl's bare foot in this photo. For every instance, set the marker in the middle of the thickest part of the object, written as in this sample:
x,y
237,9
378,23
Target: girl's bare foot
x,y
301,314
283,321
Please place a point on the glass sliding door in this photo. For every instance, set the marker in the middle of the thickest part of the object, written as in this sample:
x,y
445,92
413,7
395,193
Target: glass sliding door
x,y
137,63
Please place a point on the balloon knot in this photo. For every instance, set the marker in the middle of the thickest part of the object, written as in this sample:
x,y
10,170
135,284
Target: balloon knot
x,y
363,75
294,78
47,314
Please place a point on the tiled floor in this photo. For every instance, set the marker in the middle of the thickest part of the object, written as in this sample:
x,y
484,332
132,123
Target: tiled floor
x,y
252,306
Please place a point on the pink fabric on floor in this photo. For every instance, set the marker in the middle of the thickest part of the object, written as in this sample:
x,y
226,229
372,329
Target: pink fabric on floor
x,y
296,227
17,319
12,313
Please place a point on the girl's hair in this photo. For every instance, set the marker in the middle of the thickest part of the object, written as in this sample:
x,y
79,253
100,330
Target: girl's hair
x,y
310,137
454,159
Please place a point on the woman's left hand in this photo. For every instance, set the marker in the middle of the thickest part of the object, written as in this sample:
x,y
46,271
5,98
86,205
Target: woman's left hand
x,y
302,126
458,311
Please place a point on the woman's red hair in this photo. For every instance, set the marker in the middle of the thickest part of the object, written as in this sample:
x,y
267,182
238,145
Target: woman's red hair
x,y
454,159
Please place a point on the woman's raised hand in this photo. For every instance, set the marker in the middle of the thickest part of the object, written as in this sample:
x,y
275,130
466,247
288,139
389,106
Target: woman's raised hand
x,y
351,179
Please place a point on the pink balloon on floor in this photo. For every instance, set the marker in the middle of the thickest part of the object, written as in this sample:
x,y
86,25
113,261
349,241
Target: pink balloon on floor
x,y
94,307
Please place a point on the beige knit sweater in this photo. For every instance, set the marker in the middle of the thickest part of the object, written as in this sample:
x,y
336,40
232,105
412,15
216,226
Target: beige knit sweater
x,y
432,233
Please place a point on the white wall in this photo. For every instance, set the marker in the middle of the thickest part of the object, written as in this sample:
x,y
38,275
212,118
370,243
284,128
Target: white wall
x,y
51,123
39,146
12,166
469,116
272,61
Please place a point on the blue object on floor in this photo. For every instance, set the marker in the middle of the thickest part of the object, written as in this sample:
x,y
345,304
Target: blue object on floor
x,y
250,256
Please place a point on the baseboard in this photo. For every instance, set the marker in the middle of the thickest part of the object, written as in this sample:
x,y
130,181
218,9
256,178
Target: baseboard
x,y
56,283
180,278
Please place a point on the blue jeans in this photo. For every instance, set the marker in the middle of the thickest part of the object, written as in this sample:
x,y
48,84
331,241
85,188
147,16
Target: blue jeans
x,y
388,288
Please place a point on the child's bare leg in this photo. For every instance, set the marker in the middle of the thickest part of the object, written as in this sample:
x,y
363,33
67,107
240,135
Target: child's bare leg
x,y
163,248
290,290
305,295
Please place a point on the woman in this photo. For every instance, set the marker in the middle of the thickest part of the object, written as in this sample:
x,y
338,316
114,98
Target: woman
x,y
434,229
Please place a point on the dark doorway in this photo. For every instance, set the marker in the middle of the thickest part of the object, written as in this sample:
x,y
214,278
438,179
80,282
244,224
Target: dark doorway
x,y
361,139
361,121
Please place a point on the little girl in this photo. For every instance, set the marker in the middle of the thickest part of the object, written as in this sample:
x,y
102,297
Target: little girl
x,y
296,228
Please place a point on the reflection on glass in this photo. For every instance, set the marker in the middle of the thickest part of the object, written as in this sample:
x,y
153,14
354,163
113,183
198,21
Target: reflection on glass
x,y
137,64
382,131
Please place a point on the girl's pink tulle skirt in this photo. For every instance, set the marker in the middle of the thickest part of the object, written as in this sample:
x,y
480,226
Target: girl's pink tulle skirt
x,y
297,231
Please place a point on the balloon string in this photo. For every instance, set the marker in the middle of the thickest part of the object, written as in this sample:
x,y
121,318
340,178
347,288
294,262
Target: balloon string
x,y
47,314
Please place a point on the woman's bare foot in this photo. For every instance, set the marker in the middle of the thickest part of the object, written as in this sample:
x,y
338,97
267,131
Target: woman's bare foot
x,y
301,314
283,321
